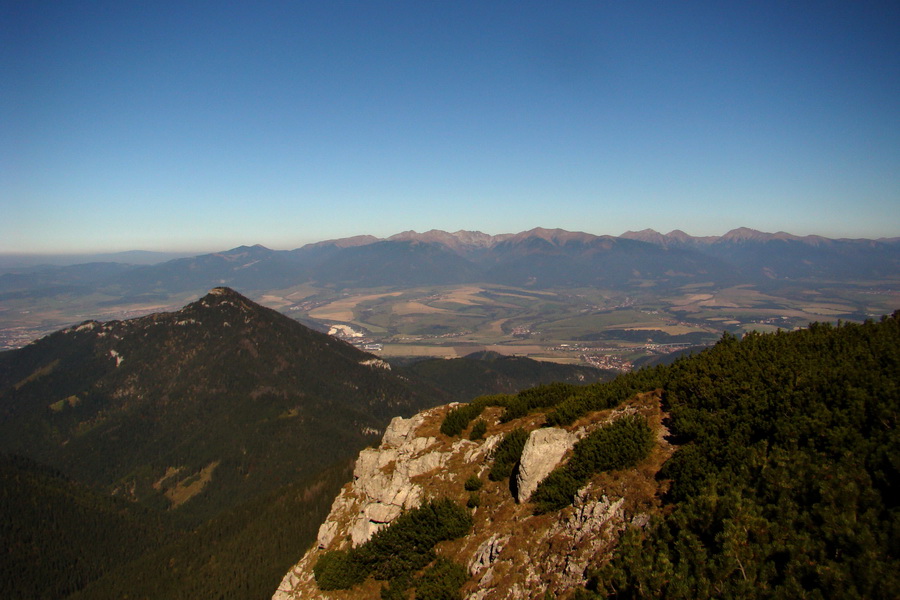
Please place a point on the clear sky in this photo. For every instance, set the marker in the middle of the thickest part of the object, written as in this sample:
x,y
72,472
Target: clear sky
x,y
205,125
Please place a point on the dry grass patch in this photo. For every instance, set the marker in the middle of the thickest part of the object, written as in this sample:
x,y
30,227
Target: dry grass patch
x,y
170,473
189,487
465,295
417,308
37,374
342,310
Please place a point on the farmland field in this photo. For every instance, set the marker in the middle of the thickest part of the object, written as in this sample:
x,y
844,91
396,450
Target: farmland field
x,y
580,325
594,326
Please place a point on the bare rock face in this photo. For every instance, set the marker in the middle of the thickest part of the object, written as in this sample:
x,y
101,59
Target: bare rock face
x,y
543,451
591,528
386,481
382,486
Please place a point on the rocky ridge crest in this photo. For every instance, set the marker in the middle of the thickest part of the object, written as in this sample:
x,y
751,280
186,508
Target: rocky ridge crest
x,y
510,552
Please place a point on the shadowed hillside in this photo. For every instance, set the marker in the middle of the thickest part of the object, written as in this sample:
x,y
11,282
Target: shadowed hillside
x,y
196,410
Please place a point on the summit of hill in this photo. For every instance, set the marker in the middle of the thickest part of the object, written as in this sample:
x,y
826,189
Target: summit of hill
x,y
195,409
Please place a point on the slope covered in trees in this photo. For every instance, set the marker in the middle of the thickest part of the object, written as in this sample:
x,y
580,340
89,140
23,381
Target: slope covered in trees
x,y
240,554
197,410
212,419
479,373
787,482
56,534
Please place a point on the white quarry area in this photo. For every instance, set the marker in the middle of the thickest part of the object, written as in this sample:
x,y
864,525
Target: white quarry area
x,y
344,331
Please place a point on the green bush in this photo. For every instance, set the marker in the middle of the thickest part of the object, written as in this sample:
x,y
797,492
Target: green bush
x,y
396,551
541,396
473,483
337,570
600,396
621,444
478,430
457,419
556,491
508,453
442,581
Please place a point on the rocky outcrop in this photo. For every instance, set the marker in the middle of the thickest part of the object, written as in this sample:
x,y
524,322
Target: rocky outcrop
x,y
386,481
510,552
543,451
531,556
487,553
589,530
382,484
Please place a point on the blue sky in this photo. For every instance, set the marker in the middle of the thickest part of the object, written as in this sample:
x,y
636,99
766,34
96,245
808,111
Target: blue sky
x,y
206,125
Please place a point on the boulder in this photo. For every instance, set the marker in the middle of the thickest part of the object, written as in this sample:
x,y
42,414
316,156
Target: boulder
x,y
400,430
544,450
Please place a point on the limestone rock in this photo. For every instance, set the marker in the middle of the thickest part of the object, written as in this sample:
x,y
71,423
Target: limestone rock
x,y
592,527
382,486
400,430
544,450
487,553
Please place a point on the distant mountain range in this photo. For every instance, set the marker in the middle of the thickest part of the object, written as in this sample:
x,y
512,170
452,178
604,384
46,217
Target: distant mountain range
x,y
539,258
131,257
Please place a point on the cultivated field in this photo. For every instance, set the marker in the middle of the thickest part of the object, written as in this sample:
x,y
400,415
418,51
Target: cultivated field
x,y
602,327
580,325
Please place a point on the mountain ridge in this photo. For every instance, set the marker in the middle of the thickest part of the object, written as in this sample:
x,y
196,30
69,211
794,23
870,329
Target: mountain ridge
x,y
479,239
543,257
97,400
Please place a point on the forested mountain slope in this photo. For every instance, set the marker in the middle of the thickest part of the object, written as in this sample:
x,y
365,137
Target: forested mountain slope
x,y
57,535
773,471
487,372
241,553
195,410
192,414
788,479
